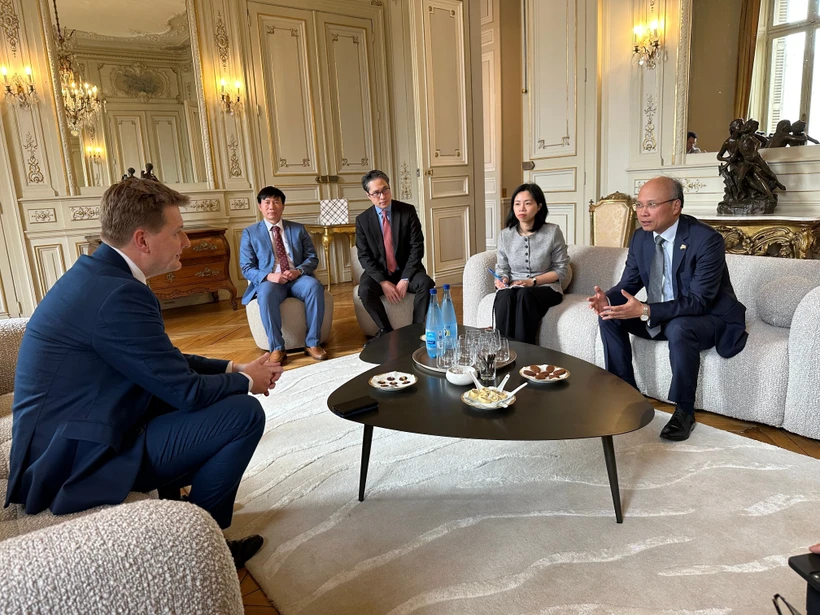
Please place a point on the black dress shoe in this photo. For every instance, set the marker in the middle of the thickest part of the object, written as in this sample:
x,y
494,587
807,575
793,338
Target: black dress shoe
x,y
244,549
379,333
679,426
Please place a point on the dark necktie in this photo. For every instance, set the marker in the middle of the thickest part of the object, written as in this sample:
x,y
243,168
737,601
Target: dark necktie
x,y
654,292
279,249
389,251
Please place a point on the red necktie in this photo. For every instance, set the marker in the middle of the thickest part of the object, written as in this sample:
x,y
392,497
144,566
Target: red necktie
x,y
390,253
279,249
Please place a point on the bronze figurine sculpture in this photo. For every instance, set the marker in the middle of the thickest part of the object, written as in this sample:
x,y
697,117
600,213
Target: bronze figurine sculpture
x,y
750,182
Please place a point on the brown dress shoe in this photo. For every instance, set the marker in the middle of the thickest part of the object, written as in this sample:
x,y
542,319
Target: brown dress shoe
x,y
279,356
317,353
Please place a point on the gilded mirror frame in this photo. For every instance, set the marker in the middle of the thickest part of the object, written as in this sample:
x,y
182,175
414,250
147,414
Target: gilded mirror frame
x,y
65,135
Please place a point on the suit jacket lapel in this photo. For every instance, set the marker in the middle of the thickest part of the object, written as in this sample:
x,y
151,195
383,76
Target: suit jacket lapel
x,y
647,254
395,226
678,252
290,233
376,229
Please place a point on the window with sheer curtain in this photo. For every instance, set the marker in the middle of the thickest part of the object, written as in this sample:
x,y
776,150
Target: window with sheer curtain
x,y
787,64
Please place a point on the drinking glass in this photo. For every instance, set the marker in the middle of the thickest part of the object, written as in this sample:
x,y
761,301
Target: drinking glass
x,y
465,353
447,353
503,354
485,360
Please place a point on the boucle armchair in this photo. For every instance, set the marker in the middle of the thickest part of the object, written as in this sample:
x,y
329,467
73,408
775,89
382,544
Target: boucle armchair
x,y
774,380
143,556
399,314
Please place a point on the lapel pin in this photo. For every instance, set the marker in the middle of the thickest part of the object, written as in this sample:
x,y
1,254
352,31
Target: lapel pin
x,y
683,246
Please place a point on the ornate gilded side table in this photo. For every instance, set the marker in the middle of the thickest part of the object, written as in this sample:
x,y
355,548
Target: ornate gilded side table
x,y
781,236
328,233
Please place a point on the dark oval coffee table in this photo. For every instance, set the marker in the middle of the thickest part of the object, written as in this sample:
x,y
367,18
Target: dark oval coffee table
x,y
592,403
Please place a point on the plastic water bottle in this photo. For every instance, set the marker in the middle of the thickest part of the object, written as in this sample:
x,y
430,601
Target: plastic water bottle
x,y
449,323
433,327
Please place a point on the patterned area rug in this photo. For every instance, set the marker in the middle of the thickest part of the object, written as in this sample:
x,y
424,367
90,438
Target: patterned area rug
x,y
464,526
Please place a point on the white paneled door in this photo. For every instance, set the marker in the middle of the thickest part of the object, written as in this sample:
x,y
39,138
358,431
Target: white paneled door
x,y
322,90
557,127
443,76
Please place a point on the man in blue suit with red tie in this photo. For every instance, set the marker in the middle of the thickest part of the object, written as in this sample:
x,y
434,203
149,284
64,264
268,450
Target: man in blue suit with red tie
x,y
278,259
690,300
103,402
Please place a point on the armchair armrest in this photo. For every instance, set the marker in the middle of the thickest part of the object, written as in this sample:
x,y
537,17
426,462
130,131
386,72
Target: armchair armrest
x,y
802,413
11,334
147,557
478,283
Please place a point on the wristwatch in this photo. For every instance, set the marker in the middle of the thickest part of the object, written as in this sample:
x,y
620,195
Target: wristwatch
x,y
645,313
534,280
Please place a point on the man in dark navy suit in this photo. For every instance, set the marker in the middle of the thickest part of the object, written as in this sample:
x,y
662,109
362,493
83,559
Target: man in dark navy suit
x,y
103,402
390,245
690,300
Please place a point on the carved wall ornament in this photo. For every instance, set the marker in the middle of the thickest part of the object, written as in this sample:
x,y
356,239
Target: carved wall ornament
x,y
637,185
780,241
235,167
649,143
376,2
273,29
35,175
140,82
221,40
690,185
236,204
85,213
405,182
204,205
11,25
41,216
365,161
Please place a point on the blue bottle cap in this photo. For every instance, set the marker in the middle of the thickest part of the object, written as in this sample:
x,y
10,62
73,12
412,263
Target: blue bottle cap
x,y
446,287
432,291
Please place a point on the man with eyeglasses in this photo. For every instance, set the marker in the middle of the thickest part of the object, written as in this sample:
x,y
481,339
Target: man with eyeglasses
x,y
390,244
690,300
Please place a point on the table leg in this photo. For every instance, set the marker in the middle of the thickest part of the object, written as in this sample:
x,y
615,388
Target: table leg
x,y
327,239
612,470
368,438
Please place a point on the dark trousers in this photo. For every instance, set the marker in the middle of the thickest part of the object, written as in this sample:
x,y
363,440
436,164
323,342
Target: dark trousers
x,y
687,336
208,449
518,311
370,292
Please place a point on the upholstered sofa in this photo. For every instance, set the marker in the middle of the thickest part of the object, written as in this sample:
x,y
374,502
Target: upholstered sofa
x,y
143,556
775,380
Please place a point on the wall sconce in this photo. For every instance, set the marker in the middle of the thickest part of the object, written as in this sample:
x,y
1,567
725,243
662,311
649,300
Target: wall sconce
x,y
94,154
646,44
18,90
231,103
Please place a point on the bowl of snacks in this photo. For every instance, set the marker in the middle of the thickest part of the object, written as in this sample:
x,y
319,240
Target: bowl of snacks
x,y
544,373
460,375
488,398
392,381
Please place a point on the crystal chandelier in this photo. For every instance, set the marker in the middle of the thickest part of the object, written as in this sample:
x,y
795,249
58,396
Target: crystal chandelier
x,y
81,100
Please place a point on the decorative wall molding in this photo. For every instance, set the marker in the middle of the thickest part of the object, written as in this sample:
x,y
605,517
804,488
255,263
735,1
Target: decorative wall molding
x,y
42,216
237,204
85,213
11,25
222,42
140,82
34,174
649,143
204,205
405,182
691,185
682,81
235,167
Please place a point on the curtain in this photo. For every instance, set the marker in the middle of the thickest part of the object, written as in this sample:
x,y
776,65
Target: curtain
x,y
747,40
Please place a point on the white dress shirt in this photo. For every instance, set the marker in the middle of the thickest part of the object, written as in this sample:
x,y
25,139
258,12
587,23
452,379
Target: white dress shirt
x,y
668,249
137,273
291,264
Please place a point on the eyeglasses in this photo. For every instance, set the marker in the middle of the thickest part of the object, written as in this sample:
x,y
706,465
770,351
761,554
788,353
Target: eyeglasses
x,y
376,194
651,205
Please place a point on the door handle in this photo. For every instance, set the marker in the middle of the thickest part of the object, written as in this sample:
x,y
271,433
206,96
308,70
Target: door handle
x,y
429,172
332,179
321,179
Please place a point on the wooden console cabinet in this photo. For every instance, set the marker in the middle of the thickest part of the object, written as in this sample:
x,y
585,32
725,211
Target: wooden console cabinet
x,y
205,267
785,237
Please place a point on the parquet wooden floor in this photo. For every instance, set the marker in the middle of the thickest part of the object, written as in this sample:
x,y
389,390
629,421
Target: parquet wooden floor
x,y
216,330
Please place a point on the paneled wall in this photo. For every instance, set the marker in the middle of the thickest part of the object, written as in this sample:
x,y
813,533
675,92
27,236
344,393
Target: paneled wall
x,y
329,89
644,118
